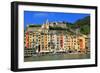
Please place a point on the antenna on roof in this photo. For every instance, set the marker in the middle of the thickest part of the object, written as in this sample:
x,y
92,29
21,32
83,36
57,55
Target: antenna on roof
x,y
47,21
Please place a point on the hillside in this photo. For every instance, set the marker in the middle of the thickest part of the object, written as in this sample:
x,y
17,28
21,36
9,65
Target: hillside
x,y
82,24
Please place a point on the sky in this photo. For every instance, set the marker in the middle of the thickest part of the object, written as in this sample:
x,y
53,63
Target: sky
x,y
36,17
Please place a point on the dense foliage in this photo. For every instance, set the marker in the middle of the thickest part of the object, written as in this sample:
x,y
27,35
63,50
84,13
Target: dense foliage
x,y
56,28
83,25
35,25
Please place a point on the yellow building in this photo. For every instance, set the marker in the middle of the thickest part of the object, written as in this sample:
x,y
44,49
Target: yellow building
x,y
72,43
37,41
30,40
44,38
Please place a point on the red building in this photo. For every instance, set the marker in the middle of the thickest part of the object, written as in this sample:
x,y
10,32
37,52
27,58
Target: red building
x,y
27,40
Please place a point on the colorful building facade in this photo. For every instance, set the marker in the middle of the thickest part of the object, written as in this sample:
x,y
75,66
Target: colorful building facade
x,y
45,40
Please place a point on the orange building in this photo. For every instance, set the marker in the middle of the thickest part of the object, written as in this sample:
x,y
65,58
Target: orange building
x,y
82,45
